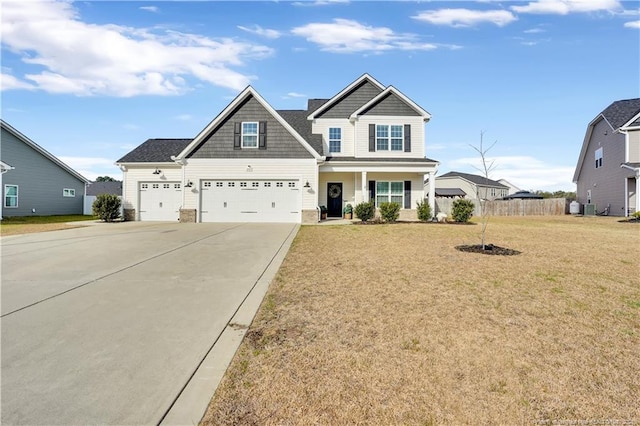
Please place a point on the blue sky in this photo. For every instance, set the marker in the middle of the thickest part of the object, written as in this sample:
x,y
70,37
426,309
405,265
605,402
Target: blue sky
x,y
89,81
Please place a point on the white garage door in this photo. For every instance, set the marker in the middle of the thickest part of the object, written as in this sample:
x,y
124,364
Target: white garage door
x,y
160,201
251,201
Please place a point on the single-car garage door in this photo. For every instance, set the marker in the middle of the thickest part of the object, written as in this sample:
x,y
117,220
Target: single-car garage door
x,y
257,200
160,201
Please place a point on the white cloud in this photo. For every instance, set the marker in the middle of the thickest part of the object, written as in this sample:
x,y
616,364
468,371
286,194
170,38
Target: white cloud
x,y
632,24
296,95
66,55
320,2
262,32
348,36
466,17
183,117
525,172
563,7
153,9
534,31
92,167
9,82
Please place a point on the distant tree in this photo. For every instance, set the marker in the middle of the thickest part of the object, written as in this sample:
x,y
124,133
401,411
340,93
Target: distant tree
x,y
571,195
105,179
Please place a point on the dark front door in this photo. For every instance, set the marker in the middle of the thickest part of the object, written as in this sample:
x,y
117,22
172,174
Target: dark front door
x,y
334,199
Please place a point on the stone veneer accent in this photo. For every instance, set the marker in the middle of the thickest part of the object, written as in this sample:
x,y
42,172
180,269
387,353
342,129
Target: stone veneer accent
x,y
129,215
188,215
309,216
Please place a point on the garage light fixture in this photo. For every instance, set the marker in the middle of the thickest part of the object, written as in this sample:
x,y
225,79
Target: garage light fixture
x,y
307,185
157,172
189,184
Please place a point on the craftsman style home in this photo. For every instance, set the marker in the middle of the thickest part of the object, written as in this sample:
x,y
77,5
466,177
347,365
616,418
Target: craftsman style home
x,y
253,163
608,171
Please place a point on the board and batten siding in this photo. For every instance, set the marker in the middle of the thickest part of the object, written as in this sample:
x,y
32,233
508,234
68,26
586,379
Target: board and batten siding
x,y
40,182
607,183
362,136
322,127
634,146
353,100
170,172
303,170
391,104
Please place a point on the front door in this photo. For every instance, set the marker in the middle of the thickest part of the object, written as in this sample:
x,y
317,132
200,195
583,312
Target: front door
x,y
334,199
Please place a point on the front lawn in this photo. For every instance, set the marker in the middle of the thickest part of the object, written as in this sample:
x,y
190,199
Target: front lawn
x,y
391,324
30,224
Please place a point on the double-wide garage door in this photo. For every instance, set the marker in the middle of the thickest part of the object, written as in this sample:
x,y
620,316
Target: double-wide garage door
x,y
257,200
160,201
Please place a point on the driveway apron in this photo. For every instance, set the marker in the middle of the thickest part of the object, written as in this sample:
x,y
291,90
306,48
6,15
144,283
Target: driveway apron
x,y
106,324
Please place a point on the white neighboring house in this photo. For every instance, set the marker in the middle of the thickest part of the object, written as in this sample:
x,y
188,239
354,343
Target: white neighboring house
x,y
512,188
253,163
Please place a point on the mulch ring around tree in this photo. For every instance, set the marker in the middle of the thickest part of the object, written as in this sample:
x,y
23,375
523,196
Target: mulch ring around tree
x,y
488,249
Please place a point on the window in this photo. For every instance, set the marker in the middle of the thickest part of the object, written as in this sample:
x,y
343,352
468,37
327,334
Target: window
x,y
219,184
249,135
11,196
243,184
598,158
335,139
176,186
389,192
207,185
155,185
166,185
255,184
68,192
389,137
292,184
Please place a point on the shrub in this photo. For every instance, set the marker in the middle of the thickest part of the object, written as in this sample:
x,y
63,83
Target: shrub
x,y
636,215
107,207
390,211
424,210
462,210
365,211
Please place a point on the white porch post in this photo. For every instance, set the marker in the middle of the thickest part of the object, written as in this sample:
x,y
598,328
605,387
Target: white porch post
x,y
365,190
432,193
637,192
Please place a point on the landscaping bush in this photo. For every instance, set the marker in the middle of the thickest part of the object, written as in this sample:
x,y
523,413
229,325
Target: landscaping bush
x,y
462,210
390,211
107,207
424,210
365,211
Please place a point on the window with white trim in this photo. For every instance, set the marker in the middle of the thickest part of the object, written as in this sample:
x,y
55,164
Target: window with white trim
x,y
249,135
392,192
68,192
11,196
599,158
335,139
389,137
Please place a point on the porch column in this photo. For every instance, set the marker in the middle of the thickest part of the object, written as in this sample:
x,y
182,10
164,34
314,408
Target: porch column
x,y
432,193
637,192
365,189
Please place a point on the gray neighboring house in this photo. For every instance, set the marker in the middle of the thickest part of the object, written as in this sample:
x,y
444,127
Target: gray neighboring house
x,y
608,171
465,185
34,181
96,188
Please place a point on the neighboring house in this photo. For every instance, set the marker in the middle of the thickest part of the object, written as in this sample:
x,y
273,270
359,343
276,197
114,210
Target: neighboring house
x,y
96,188
523,195
37,183
472,186
512,188
253,163
608,171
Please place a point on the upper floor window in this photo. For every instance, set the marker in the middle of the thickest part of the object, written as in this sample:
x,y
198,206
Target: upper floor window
x,y
11,195
598,158
389,137
249,135
335,139
68,192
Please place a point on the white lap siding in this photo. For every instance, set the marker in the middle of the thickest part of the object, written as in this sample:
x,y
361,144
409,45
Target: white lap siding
x,y
134,175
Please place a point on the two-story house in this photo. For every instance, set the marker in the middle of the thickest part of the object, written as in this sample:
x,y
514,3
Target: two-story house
x,y
608,171
253,163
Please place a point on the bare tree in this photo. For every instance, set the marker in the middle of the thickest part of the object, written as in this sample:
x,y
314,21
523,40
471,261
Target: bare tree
x,y
487,166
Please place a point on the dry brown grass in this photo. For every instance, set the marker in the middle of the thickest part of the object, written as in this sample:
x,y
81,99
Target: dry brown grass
x,y
30,228
391,325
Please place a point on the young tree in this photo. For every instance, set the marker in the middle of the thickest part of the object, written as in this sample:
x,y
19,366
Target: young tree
x,y
487,166
105,179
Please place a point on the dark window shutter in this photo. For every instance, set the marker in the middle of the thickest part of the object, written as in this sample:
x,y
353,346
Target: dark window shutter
x,y
372,137
236,135
407,138
262,144
372,190
407,194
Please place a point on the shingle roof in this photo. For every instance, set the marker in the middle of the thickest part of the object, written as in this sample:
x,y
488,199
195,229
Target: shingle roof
x,y
523,195
478,180
314,104
619,112
97,188
298,120
449,192
155,151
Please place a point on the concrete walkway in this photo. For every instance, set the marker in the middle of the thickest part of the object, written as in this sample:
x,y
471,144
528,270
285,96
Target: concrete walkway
x,y
128,323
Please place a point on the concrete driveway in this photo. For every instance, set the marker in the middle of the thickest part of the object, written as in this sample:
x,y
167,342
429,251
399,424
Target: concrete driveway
x,y
107,324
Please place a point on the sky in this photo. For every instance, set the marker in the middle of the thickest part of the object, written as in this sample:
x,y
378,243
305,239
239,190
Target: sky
x,y
89,81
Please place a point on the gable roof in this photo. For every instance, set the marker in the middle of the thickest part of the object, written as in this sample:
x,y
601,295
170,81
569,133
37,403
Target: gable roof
x,y
298,120
633,123
155,151
249,91
382,95
617,115
97,188
344,92
475,179
42,151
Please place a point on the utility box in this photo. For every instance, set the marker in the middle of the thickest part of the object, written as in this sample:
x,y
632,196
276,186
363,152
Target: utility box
x,y
589,210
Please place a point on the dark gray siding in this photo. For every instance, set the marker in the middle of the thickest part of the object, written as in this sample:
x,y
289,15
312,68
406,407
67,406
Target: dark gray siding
x,y
280,143
607,182
351,101
391,104
40,181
